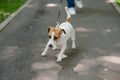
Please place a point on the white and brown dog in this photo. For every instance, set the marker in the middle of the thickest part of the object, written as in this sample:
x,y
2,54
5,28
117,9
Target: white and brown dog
x,y
58,37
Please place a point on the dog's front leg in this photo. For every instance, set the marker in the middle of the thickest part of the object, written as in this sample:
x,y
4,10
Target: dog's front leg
x,y
60,55
55,47
45,51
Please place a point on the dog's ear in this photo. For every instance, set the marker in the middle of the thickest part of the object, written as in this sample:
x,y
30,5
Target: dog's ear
x,y
48,29
63,31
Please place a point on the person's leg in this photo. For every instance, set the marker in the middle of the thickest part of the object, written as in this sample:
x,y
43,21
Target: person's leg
x,y
71,5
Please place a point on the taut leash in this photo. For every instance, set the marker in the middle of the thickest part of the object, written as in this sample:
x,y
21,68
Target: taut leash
x,y
59,13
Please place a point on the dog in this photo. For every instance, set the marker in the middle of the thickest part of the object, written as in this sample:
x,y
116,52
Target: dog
x,y
58,37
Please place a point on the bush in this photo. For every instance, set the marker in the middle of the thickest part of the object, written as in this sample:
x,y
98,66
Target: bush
x,y
7,7
118,2
3,15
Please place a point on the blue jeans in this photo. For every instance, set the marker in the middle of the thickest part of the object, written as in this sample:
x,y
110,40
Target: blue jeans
x,y
71,3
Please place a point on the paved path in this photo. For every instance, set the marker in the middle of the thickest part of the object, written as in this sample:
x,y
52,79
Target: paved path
x,y
97,56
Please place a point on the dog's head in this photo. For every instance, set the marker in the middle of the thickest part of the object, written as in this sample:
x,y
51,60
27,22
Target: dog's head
x,y
54,35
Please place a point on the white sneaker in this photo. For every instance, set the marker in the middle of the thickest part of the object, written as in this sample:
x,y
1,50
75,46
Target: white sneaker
x,y
72,11
79,3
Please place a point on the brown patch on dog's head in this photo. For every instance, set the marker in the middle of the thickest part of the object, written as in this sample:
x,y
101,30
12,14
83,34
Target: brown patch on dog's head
x,y
57,33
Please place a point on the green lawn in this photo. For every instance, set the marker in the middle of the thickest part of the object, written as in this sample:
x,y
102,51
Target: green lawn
x,y
7,7
118,2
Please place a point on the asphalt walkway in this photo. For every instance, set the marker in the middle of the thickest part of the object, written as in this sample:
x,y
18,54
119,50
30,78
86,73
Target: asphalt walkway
x,y
97,56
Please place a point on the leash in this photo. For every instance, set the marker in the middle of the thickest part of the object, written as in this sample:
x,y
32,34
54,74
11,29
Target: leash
x,y
59,13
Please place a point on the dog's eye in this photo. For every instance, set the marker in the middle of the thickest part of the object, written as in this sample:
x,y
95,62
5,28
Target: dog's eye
x,y
49,36
55,38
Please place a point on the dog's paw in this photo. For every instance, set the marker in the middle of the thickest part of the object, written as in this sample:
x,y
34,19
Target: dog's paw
x,y
43,54
59,60
55,48
64,56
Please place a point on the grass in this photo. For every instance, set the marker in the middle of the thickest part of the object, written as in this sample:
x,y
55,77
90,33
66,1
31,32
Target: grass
x,y
7,7
118,2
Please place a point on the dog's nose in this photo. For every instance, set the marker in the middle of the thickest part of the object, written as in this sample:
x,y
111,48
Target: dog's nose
x,y
50,45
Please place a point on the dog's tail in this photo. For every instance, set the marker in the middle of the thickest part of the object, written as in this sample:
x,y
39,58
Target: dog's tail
x,y
68,19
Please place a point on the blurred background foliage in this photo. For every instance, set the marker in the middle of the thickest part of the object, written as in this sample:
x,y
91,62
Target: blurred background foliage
x,y
118,2
7,7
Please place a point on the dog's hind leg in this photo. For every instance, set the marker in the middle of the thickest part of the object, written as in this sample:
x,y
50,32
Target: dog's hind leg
x,y
73,40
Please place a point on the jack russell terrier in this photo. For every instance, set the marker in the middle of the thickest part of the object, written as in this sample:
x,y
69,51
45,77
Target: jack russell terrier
x,y
58,37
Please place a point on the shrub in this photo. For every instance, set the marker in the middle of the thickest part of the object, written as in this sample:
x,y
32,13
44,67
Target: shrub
x,y
118,2
7,7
